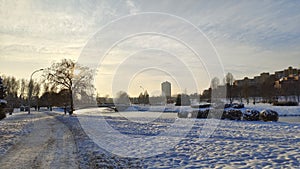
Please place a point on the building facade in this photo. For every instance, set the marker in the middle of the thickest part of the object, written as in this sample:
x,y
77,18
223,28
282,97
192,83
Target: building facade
x,y
282,83
166,89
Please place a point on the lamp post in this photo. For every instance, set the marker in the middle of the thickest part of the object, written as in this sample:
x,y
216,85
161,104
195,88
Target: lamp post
x,y
30,88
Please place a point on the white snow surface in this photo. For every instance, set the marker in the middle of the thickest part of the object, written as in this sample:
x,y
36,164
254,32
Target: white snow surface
x,y
231,144
234,144
36,141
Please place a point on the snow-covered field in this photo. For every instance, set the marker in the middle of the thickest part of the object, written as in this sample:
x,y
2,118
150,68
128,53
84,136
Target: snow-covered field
x,y
191,143
235,144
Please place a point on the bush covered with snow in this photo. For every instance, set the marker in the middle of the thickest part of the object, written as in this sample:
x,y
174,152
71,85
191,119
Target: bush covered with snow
x,y
247,113
234,105
268,115
251,115
202,114
232,114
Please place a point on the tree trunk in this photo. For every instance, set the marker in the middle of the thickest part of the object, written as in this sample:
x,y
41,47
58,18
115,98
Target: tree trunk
x,y
71,102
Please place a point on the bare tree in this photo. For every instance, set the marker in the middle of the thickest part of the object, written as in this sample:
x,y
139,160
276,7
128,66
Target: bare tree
x,y
36,89
12,90
12,86
23,88
63,74
229,79
122,98
83,89
215,82
46,87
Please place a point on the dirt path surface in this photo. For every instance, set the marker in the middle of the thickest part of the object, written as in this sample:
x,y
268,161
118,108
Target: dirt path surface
x,y
49,145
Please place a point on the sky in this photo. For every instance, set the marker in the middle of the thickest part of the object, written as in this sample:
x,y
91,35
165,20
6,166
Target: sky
x,y
136,45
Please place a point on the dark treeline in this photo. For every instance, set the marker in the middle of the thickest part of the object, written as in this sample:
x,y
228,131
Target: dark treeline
x,y
58,86
43,93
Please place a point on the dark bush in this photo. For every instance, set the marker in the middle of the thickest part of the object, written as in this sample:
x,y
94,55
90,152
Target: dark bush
x,y
237,105
234,105
202,114
2,113
289,103
215,113
8,110
268,115
232,114
251,115
227,105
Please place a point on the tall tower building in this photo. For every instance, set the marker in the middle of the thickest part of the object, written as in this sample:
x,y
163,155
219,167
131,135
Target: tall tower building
x,y
166,89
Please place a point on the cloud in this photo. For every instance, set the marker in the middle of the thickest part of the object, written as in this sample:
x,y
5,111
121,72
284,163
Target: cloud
x,y
132,8
250,36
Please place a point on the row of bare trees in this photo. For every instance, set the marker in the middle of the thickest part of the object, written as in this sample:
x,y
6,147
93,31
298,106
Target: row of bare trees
x,y
17,90
62,84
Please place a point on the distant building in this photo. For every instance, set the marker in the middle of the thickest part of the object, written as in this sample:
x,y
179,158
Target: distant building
x,y
266,87
278,75
290,71
166,89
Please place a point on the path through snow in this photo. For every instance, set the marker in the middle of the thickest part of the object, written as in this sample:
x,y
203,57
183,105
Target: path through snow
x,y
49,145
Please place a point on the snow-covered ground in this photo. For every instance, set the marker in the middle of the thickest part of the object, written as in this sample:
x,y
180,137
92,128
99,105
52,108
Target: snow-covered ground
x,y
192,143
50,144
235,144
12,128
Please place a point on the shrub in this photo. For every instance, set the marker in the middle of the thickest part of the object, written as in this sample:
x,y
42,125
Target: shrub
x,y
2,113
251,115
8,110
202,114
238,105
234,105
232,114
288,103
268,115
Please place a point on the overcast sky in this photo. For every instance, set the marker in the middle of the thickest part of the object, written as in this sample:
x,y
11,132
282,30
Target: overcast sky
x,y
250,37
